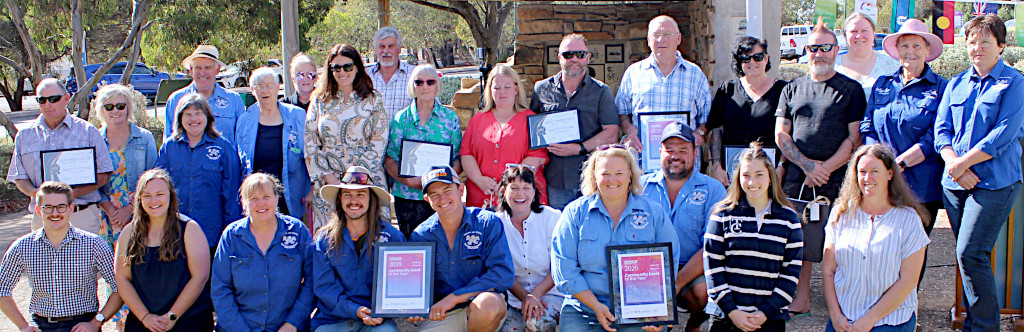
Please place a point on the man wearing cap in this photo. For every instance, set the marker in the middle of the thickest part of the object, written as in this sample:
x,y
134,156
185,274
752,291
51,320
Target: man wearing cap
x,y
689,197
472,261
57,129
203,65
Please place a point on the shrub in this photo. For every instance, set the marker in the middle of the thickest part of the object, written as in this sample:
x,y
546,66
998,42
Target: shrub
x,y
954,59
789,72
11,199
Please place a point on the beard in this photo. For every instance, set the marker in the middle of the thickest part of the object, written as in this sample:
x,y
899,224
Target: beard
x,y
683,173
820,67
569,70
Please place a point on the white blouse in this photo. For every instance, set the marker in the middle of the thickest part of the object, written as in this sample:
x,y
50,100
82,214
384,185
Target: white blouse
x,y
531,250
884,65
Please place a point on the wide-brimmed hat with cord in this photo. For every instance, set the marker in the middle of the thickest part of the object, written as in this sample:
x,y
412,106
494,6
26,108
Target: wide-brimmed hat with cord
x,y
203,51
913,26
355,178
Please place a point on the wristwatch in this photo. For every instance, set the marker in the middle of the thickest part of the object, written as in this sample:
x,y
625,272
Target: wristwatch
x,y
699,132
172,316
100,317
903,164
583,149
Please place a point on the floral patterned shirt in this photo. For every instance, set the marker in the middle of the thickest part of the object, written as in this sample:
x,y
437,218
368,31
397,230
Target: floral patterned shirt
x,y
442,127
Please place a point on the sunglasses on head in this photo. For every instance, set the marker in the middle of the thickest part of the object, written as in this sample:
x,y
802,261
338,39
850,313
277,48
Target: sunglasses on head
x,y
119,106
578,54
820,47
356,178
309,75
51,99
756,57
515,166
610,146
348,67
429,82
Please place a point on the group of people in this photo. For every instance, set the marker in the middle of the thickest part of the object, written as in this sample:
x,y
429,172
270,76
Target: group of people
x,y
289,195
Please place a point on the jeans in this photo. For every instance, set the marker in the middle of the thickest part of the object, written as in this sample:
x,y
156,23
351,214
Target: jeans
x,y
909,326
571,320
353,325
976,216
725,325
559,198
64,326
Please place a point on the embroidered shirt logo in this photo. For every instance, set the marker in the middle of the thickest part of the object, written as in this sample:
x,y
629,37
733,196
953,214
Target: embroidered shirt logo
x,y
290,240
213,152
735,227
698,196
473,240
220,102
383,238
639,220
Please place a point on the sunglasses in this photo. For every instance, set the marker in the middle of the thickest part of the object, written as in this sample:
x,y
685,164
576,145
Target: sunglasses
x,y
348,67
516,166
309,75
756,57
119,106
820,47
429,82
60,208
578,54
51,99
356,178
611,146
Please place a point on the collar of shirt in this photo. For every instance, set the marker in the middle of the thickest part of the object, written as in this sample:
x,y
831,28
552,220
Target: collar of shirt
x,y
134,132
632,205
72,235
436,111
927,75
658,179
435,224
244,232
217,91
66,122
557,82
184,140
402,67
650,63
997,71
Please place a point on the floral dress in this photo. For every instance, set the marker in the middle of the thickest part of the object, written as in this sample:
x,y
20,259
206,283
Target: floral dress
x,y
120,196
340,134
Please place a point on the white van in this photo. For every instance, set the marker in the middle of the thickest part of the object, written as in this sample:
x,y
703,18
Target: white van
x,y
793,39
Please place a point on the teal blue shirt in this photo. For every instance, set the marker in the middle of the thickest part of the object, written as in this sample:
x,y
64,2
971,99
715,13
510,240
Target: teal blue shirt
x,y
442,127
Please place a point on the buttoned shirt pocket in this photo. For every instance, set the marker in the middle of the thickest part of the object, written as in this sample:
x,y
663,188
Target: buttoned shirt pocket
x,y
589,247
288,264
988,105
242,272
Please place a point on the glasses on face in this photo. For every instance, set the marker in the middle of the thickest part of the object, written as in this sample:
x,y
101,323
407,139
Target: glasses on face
x,y
265,85
663,35
60,208
756,57
429,82
610,146
309,74
348,67
111,107
356,178
820,47
51,99
577,54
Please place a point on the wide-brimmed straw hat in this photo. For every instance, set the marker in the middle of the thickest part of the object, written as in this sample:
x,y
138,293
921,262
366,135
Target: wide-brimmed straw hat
x,y
913,26
355,178
203,51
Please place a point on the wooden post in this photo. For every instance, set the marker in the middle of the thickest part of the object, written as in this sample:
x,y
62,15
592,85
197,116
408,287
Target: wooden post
x,y
383,13
289,41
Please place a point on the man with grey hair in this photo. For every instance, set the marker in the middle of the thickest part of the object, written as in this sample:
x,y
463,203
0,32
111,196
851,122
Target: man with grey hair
x,y
390,75
572,89
56,129
203,65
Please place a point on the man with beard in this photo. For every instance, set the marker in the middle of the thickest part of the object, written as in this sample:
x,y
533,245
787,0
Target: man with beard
x,y
689,198
203,66
390,75
817,128
572,89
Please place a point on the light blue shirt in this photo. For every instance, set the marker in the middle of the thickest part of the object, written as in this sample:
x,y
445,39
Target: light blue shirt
x,y
691,209
294,176
226,105
578,260
984,113
139,156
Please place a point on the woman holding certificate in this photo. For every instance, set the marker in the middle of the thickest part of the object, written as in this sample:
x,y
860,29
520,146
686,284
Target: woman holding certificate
x,y
263,265
611,212
874,247
499,136
533,301
343,267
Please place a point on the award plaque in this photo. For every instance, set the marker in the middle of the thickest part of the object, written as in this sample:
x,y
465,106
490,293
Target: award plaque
x,y
403,283
554,128
418,157
642,284
733,152
650,126
72,166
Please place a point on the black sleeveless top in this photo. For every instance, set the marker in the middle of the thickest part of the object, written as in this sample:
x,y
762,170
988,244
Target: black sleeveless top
x,y
159,283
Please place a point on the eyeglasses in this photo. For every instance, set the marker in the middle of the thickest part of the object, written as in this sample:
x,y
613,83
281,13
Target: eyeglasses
x,y
577,54
756,57
515,166
356,178
119,106
820,47
266,86
310,75
60,208
51,99
348,67
429,82
610,146
663,35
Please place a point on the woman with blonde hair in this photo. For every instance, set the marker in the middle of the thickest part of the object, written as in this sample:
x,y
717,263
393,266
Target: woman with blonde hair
x,y
862,63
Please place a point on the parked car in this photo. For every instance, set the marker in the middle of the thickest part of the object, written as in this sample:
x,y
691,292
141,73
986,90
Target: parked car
x,y
793,39
144,79
236,75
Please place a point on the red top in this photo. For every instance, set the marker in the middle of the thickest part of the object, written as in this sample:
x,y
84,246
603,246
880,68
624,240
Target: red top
x,y
494,145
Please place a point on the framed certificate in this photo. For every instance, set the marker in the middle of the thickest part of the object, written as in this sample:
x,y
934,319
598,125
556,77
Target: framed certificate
x,y
733,152
403,283
642,284
419,156
554,127
72,166
650,126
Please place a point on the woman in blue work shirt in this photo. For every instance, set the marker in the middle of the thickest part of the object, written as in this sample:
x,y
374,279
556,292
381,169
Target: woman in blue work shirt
x,y
204,167
343,267
977,133
611,212
269,138
262,266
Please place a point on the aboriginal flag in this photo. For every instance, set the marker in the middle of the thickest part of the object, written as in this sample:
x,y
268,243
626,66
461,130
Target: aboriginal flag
x,y
942,20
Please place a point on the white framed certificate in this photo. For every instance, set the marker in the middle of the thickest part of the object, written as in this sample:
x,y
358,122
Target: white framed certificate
x,y
419,156
554,128
74,167
650,127
733,152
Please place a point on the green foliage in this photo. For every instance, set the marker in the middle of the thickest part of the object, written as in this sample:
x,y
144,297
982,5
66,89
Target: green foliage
x,y
954,59
791,71
10,198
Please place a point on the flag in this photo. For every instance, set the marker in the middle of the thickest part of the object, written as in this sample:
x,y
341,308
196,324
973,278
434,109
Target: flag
x,y
901,11
1018,14
826,9
942,20
982,8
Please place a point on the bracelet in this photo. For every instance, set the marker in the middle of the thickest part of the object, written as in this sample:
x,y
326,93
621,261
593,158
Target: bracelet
x,y
144,317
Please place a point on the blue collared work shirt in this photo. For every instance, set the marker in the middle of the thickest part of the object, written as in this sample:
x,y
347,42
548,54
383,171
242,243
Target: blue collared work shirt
x,y
691,210
226,105
294,176
253,291
984,113
578,259
479,259
343,279
206,179
902,115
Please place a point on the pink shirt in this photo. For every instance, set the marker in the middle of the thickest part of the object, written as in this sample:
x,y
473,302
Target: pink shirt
x,y
494,145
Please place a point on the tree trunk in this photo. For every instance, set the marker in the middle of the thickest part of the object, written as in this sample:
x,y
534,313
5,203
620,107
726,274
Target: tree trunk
x,y
485,26
77,50
133,57
35,58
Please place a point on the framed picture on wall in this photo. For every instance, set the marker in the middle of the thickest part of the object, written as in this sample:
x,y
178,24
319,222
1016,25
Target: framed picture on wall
x,y
552,52
614,53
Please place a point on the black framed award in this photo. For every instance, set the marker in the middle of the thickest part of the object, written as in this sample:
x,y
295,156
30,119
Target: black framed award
x,y
403,283
650,125
554,128
418,157
74,167
641,280
733,152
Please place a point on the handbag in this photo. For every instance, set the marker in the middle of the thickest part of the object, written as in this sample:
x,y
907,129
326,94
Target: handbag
x,y
813,218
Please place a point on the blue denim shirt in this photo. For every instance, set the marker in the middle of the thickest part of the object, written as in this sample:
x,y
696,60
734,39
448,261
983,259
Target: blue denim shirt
x,y
691,210
226,105
139,156
253,291
986,114
206,179
578,259
343,279
902,115
479,259
294,177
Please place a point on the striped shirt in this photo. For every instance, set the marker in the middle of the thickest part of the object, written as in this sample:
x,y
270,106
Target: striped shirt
x,y
396,90
752,260
63,279
868,251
